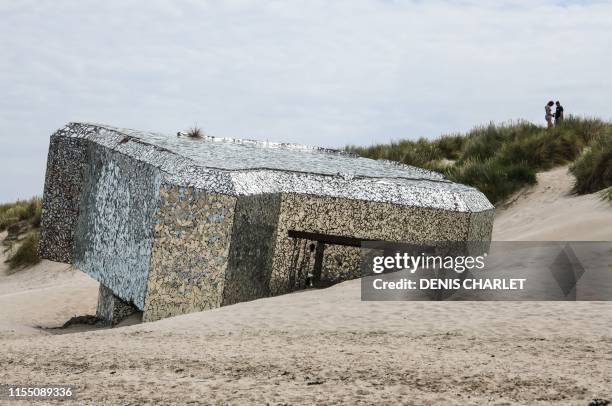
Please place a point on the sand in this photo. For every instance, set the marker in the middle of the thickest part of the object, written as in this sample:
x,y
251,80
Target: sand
x,y
549,212
45,295
326,346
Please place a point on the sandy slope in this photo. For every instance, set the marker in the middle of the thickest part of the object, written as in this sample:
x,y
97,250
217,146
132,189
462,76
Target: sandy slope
x,y
328,347
45,295
548,212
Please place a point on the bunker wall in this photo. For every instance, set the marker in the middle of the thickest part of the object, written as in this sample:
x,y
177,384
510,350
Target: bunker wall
x,y
252,248
66,161
192,236
357,220
113,234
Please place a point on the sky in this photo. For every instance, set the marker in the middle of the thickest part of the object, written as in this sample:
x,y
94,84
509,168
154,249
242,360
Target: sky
x,y
318,72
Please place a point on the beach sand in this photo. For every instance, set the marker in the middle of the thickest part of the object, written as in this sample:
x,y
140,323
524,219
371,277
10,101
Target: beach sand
x,y
326,346
549,212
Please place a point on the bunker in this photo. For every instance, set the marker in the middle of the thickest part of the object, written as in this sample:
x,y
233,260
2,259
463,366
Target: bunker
x,y
170,224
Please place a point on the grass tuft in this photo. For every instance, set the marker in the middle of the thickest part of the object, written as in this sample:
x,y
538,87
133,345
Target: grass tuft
x,y
21,210
195,132
606,195
593,168
26,254
22,218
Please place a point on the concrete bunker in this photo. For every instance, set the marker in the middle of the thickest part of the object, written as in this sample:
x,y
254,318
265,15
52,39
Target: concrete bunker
x,y
170,225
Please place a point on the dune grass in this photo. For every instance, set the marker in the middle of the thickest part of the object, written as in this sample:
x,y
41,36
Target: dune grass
x,y
195,132
593,168
26,253
606,195
501,159
22,218
22,210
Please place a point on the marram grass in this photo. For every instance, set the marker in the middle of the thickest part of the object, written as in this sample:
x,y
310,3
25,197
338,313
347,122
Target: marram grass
x,y
501,159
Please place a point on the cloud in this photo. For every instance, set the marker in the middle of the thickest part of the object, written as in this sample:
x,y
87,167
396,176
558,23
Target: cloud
x,y
315,72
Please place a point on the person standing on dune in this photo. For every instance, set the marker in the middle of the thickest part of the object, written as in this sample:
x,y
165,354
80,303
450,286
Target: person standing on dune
x,y
558,113
549,115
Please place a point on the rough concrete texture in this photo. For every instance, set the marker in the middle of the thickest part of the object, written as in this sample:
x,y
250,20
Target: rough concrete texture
x,y
190,252
170,224
359,219
112,309
62,197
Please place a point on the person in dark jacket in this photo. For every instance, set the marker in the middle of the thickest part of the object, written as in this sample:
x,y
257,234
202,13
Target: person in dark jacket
x,y
558,113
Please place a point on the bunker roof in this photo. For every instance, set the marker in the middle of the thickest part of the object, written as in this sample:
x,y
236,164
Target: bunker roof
x,y
246,167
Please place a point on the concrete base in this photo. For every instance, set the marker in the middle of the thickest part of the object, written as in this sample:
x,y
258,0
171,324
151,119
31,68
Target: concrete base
x,y
111,308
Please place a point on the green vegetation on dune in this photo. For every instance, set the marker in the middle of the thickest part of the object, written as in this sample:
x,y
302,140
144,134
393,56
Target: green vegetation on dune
x,y
26,253
21,220
593,168
496,179
28,211
606,195
501,159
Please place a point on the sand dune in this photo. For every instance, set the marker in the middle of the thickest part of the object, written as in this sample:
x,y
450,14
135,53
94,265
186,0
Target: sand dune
x,y
549,212
326,346
44,295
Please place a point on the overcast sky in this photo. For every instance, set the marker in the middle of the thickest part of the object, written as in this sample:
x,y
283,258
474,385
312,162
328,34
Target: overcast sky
x,y
315,72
